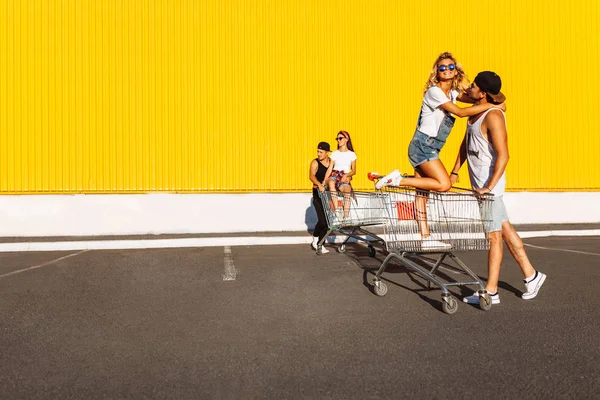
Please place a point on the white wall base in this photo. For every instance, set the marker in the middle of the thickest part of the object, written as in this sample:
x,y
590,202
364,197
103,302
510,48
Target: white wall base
x,y
101,215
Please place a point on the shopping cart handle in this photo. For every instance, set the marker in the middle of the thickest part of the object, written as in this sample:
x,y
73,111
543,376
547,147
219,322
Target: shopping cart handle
x,y
485,195
373,175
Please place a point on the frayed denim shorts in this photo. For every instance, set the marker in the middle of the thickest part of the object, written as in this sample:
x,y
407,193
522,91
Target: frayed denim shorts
x,y
423,148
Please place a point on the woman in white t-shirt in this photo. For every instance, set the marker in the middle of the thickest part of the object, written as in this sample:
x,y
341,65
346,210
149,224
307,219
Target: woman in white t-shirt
x,y
447,83
340,171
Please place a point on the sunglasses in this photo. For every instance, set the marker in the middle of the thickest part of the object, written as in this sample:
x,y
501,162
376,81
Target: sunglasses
x,y
340,138
451,67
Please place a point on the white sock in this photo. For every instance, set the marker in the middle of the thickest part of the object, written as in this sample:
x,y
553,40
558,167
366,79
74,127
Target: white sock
x,y
532,277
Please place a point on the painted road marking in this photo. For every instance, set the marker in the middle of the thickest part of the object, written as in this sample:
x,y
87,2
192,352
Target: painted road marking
x,y
229,267
41,265
566,250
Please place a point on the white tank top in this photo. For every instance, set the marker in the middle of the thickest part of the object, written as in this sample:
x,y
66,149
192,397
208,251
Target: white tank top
x,y
481,157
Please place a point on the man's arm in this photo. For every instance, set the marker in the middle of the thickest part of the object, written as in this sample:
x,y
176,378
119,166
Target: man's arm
x,y
314,167
496,132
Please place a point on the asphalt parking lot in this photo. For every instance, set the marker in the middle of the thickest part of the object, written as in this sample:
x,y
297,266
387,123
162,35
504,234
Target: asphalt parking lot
x,y
280,322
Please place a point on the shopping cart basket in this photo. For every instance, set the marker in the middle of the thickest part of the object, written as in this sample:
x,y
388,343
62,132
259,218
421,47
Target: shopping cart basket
x,y
363,209
456,221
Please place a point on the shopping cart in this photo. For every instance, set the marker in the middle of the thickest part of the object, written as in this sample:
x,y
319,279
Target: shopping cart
x,y
363,209
456,221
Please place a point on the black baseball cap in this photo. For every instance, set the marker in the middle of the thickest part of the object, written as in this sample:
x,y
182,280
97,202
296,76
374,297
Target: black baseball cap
x,y
490,83
323,146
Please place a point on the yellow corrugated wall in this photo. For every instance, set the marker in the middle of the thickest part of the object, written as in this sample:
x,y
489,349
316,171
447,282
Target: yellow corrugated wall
x,y
157,95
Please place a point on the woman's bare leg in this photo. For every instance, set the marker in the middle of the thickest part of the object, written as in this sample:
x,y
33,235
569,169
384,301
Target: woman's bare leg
x,y
346,193
333,192
421,210
432,176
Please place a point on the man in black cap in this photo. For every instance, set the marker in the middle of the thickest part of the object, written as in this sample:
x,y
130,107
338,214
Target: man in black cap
x,y
485,148
318,169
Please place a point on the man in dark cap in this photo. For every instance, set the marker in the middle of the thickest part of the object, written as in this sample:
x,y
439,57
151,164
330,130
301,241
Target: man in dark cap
x,y
318,169
485,148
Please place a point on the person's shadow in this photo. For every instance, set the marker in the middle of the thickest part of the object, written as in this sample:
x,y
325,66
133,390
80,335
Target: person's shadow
x,y
310,217
310,220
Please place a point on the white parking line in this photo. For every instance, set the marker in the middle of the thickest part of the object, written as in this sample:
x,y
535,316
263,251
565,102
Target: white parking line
x,y
229,267
41,265
565,250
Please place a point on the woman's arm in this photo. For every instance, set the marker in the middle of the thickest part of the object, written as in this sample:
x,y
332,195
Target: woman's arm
x,y
464,98
352,169
468,111
460,159
351,173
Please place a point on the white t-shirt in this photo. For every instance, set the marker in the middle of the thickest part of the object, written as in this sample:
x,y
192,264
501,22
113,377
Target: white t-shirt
x,y
432,115
343,160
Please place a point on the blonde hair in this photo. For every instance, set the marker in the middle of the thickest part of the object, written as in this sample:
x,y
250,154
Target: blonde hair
x,y
460,81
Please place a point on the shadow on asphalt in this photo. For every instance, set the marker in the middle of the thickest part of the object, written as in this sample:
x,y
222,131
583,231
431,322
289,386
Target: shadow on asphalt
x,y
358,252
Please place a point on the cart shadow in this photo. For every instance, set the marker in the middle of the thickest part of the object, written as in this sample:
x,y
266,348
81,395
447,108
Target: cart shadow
x,y
370,265
359,253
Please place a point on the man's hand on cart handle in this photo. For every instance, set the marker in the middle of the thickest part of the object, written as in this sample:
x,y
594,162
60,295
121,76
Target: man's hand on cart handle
x,y
483,190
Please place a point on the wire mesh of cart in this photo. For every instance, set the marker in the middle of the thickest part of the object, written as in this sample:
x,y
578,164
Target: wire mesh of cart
x,y
456,221
349,214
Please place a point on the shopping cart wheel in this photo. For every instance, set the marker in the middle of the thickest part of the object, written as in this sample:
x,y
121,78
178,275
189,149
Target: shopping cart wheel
x,y
372,251
449,304
485,302
379,288
342,248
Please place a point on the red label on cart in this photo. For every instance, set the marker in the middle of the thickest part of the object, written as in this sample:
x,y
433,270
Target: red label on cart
x,y
406,210
340,203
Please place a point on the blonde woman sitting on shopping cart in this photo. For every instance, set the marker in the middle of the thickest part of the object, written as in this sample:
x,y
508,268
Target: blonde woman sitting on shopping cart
x,y
340,171
446,84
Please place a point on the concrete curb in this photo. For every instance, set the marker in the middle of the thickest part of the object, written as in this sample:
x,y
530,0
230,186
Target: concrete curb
x,y
218,241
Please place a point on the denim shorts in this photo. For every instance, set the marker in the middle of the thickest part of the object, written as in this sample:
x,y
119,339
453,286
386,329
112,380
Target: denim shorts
x,y
423,148
494,215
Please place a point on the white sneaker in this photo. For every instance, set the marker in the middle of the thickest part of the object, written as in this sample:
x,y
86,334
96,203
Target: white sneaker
x,y
430,244
314,243
391,179
474,298
533,286
324,250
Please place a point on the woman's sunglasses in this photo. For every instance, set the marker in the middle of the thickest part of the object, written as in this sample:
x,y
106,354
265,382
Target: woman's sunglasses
x,y
340,138
451,67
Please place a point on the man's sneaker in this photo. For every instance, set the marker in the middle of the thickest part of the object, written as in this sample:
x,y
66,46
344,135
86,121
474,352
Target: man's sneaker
x,y
314,243
430,244
391,179
474,298
533,286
